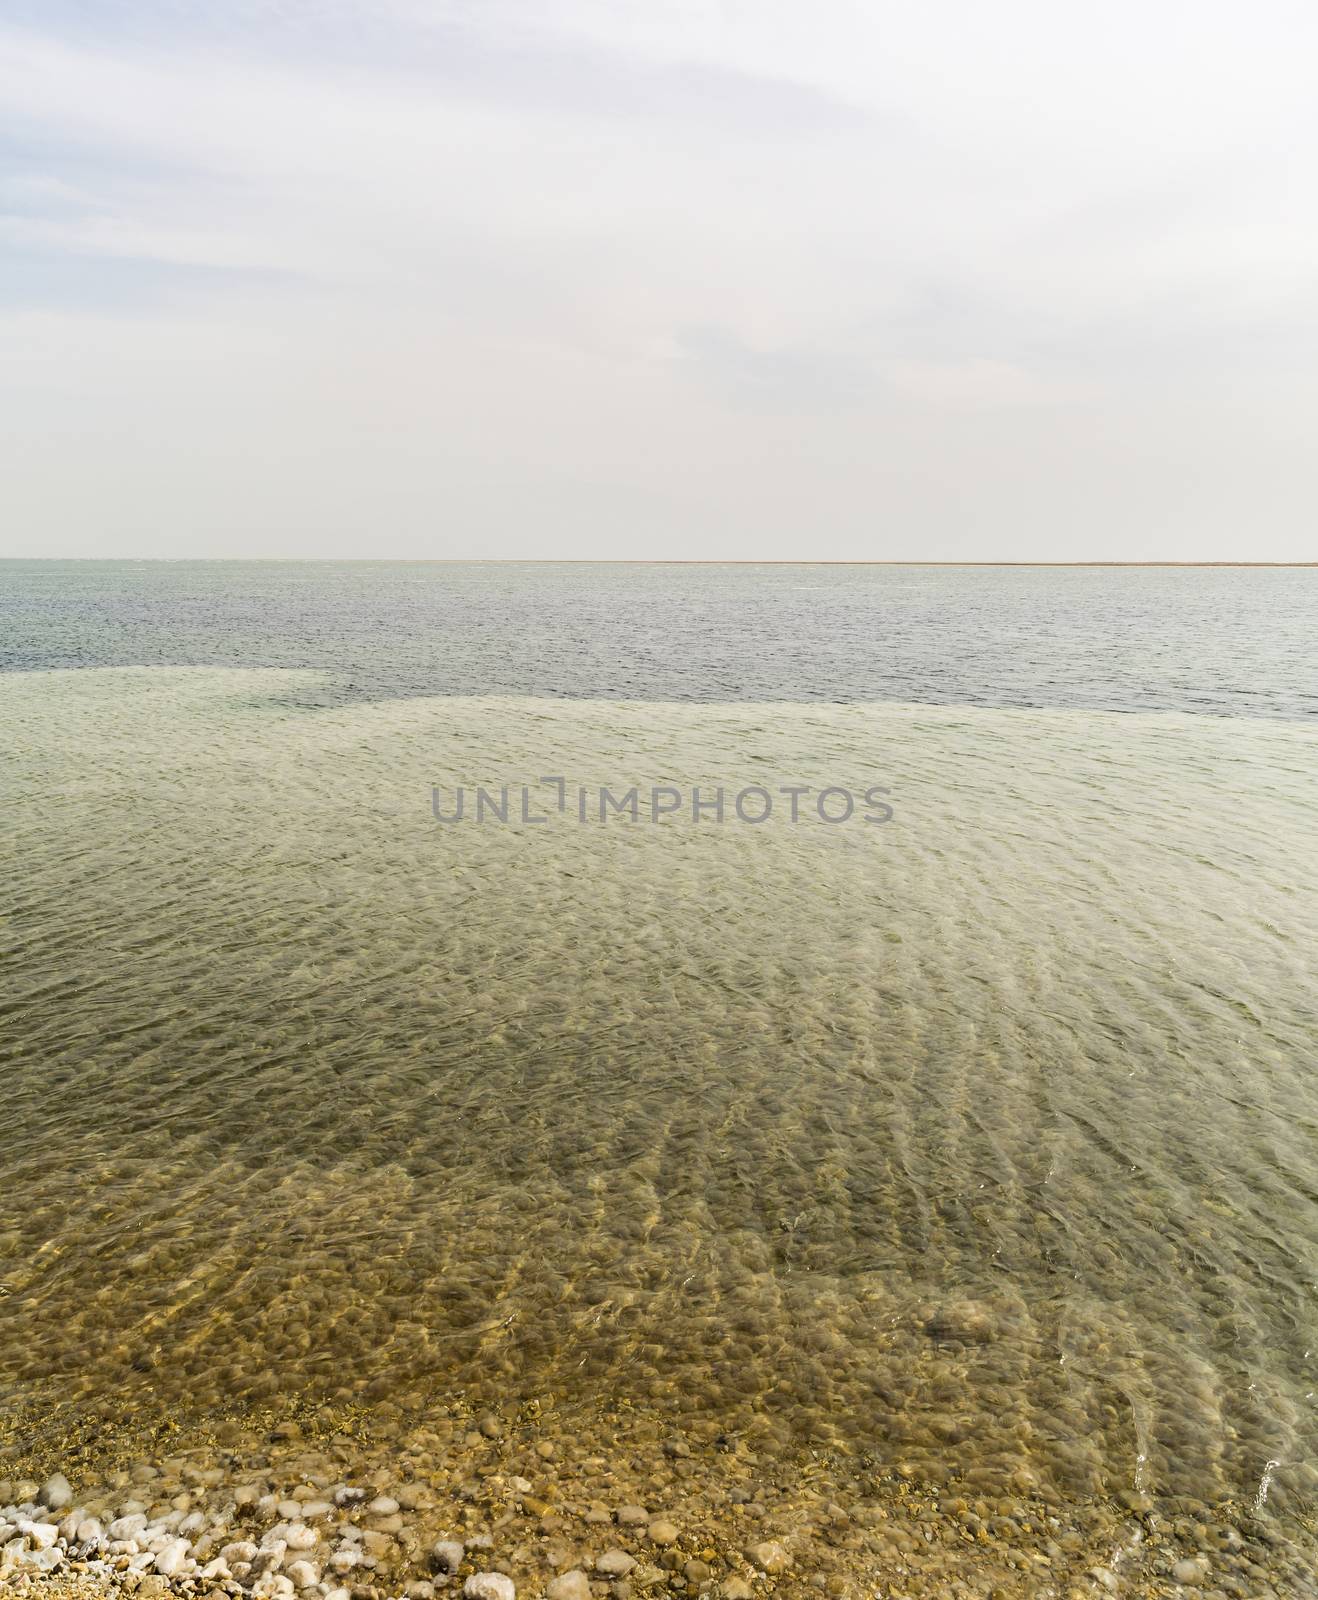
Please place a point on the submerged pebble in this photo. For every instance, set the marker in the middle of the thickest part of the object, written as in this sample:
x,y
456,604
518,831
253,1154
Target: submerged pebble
x,y
447,1555
573,1585
488,1586
55,1493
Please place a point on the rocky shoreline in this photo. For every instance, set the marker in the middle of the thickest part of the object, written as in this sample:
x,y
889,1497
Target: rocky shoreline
x,y
489,1509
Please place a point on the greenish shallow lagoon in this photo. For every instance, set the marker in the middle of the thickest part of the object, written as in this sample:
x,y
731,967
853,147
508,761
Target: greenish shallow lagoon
x,y
983,1141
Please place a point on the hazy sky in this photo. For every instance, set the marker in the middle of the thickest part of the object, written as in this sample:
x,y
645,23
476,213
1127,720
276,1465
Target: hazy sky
x,y
601,278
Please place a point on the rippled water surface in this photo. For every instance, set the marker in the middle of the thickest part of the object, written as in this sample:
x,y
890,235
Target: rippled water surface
x,y
1219,640
988,1136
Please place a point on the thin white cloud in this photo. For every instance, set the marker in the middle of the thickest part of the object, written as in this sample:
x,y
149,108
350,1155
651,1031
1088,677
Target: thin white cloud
x,y
729,272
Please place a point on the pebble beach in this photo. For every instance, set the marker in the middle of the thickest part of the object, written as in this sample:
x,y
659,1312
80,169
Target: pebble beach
x,y
491,1507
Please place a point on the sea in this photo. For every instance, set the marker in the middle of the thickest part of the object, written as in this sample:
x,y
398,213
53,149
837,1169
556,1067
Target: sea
x,y
976,1141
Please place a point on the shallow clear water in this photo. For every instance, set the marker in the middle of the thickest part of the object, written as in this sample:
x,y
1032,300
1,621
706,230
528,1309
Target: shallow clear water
x,y
983,1139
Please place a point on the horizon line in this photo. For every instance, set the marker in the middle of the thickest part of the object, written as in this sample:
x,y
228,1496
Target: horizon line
x,y
657,561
